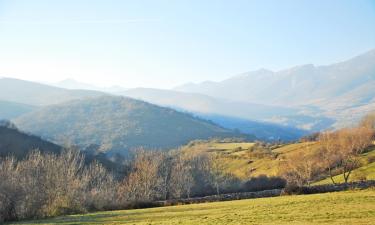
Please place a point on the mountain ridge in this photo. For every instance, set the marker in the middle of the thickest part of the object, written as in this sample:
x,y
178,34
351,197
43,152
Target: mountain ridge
x,y
331,88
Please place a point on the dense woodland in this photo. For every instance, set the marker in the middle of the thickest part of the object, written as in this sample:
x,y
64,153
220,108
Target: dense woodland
x,y
50,184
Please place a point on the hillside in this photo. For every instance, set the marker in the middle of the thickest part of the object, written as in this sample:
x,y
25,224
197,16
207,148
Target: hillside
x,y
17,143
118,124
36,94
245,161
334,90
240,160
204,104
10,110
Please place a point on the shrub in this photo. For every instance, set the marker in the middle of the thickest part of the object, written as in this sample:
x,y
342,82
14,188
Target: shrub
x,y
371,159
263,182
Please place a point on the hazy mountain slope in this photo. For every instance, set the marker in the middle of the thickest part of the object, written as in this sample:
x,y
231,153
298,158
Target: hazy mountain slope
x,y
14,142
32,93
118,124
332,88
74,85
206,106
263,130
229,114
10,110
300,85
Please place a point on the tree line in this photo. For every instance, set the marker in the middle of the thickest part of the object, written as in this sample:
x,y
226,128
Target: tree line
x,y
47,184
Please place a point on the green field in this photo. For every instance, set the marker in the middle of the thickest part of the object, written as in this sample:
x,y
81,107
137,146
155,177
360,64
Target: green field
x,y
350,207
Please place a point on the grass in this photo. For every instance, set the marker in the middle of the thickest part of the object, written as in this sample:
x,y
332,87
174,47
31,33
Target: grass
x,y
350,207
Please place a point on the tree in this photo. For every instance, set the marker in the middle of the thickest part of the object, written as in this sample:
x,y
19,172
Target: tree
x,y
144,180
43,185
218,177
182,180
327,152
368,121
301,168
341,149
352,142
165,174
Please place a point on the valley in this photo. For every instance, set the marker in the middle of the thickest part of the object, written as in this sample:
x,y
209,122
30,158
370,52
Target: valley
x,y
187,112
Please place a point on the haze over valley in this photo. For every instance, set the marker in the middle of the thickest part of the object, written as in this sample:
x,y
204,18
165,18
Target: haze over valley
x,y
187,112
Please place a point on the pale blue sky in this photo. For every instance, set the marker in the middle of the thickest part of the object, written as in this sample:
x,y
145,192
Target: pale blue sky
x,y
166,43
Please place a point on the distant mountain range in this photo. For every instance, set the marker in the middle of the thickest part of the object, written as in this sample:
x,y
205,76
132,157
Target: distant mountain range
x,y
270,105
73,84
36,94
336,91
119,124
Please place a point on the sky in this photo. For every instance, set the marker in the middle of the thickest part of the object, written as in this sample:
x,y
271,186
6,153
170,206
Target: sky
x,y
163,44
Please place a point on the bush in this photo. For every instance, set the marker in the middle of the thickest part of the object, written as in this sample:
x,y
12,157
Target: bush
x,y
371,159
292,190
263,182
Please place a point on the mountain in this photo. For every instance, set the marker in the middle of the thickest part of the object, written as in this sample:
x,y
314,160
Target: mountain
x,y
10,110
247,117
119,124
204,104
73,84
17,143
36,94
76,85
332,90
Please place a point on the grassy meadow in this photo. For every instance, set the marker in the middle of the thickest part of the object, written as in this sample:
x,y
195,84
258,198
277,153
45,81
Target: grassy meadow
x,y
350,207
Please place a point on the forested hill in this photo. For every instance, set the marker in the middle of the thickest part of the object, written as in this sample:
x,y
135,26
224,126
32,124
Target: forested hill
x,y
119,124
16,143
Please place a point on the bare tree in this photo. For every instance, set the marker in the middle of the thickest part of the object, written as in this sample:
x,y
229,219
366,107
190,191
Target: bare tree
x,y
44,185
182,180
301,168
368,121
9,190
143,181
218,176
341,149
352,142
328,152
